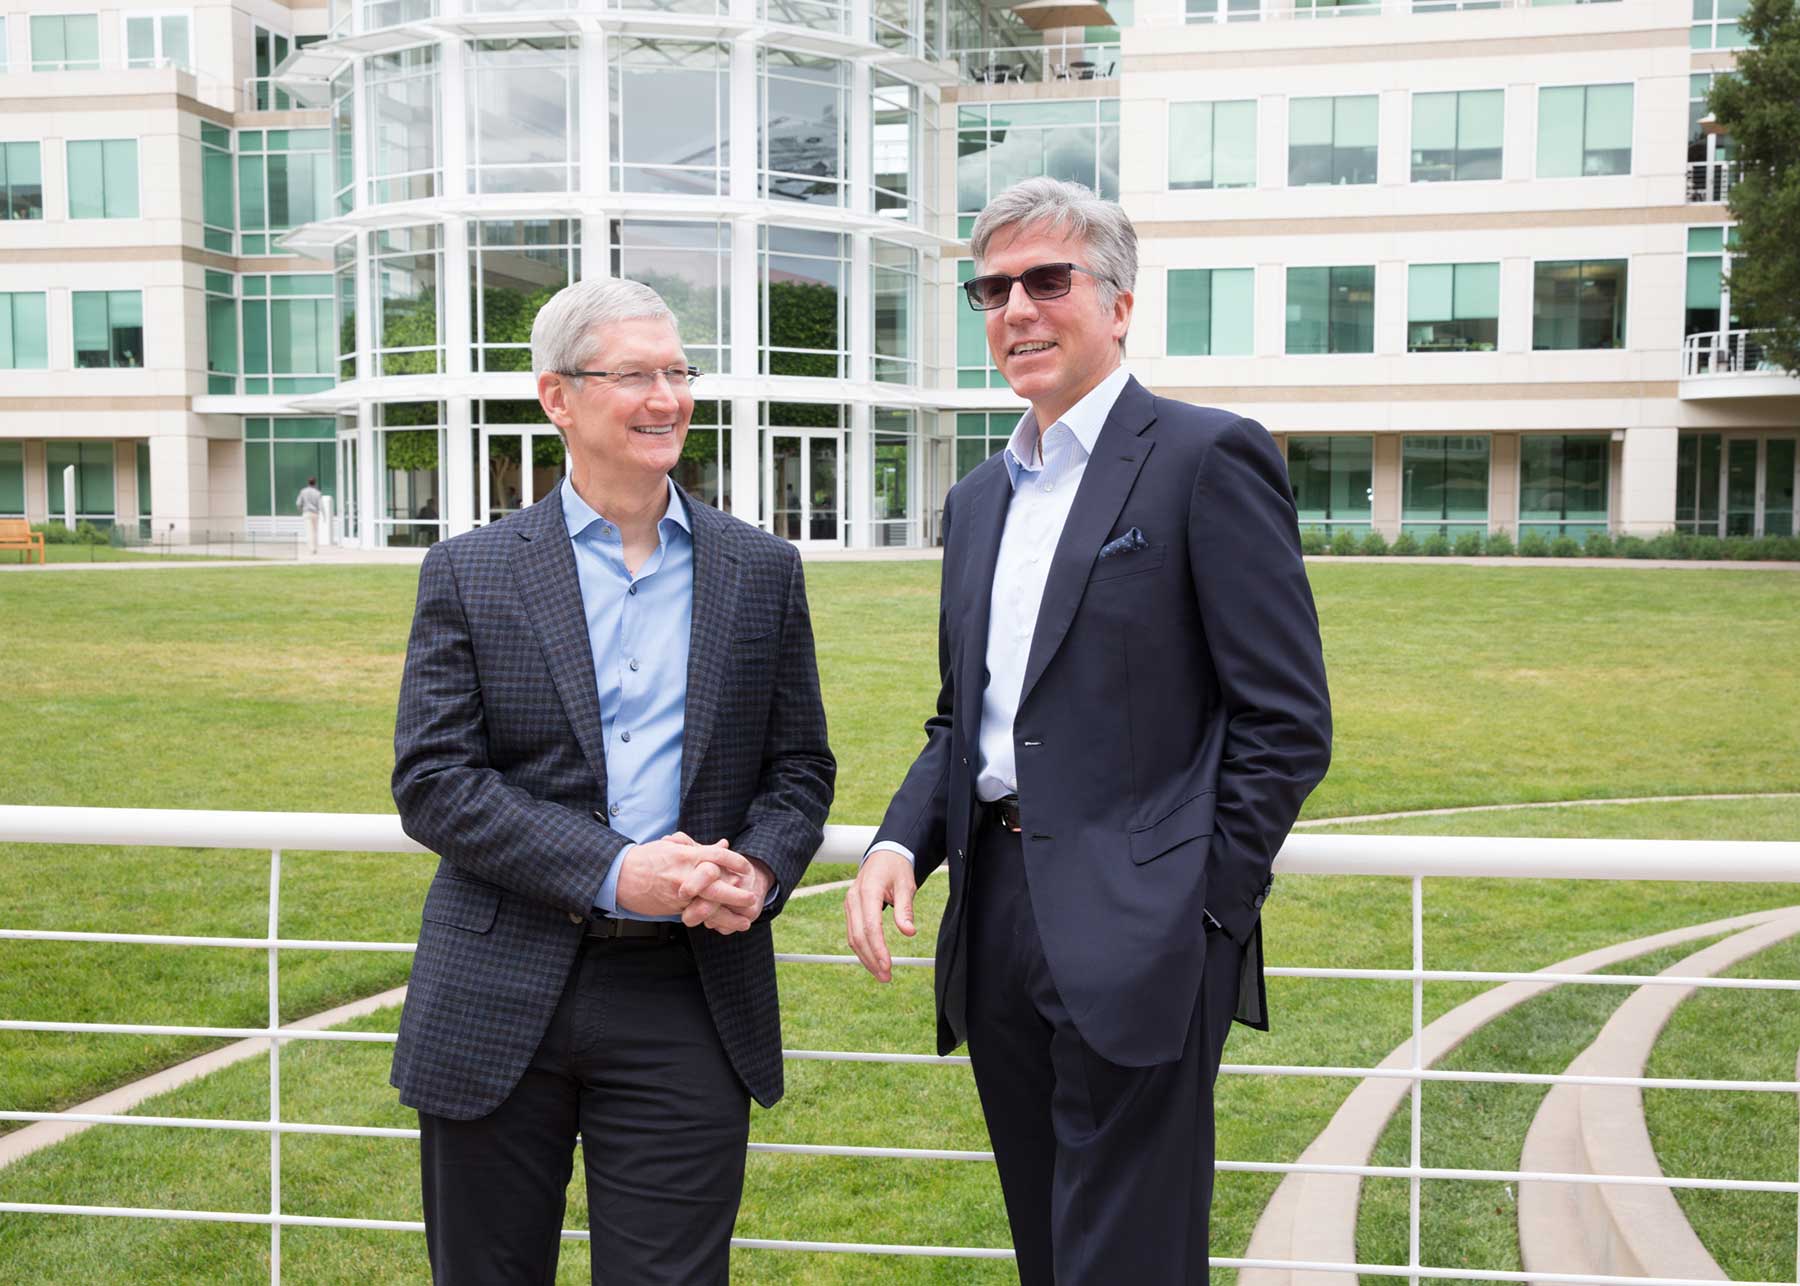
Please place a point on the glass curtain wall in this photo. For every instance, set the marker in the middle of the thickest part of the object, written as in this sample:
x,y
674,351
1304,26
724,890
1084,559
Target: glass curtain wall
x,y
805,107
895,286
523,115
519,458
223,363
980,434
892,490
670,116
404,139
998,144
408,267
280,454
12,479
515,265
345,270
974,363
704,470
409,443
218,189
343,135
804,279
1212,145
1444,484
689,265
1333,481
287,327
283,182
1563,484
894,149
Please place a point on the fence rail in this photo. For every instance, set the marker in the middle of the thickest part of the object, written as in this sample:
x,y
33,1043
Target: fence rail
x,y
1415,858
1726,352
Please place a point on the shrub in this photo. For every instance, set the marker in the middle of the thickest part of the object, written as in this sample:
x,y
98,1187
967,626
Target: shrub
x,y
1499,545
1534,545
1374,545
1405,545
1597,545
1437,545
1742,548
1631,547
1666,545
1705,548
1468,545
1782,548
1565,547
1314,541
1345,543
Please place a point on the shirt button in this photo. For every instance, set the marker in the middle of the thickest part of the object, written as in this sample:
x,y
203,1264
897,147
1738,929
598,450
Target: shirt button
x,y
632,590
626,735
614,810
634,663
1047,486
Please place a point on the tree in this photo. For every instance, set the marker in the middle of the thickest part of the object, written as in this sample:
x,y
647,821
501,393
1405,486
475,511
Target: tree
x,y
1759,106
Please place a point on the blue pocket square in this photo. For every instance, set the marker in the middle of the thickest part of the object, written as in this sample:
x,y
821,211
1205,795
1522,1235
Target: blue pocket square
x,y
1130,542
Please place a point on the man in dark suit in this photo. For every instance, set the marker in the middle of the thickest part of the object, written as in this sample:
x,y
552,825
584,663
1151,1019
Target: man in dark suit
x,y
610,730
1133,709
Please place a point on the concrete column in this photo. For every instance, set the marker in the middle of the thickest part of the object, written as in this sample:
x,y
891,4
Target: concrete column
x,y
1385,480
179,485
746,462
37,485
1503,484
594,112
456,468
125,488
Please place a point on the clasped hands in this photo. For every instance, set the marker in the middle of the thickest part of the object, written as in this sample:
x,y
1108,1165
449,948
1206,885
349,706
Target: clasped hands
x,y
705,884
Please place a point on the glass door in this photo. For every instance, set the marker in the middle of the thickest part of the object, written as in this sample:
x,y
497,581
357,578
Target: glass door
x,y
344,528
1741,488
521,467
803,487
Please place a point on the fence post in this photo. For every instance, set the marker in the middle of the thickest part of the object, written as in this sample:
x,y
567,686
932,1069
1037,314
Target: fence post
x,y
274,1068
1418,1051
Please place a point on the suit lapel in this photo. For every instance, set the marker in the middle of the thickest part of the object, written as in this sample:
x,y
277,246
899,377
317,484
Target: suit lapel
x,y
1118,455
709,641
544,567
986,509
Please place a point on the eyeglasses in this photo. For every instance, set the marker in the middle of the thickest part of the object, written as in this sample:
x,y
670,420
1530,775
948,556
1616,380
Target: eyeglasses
x,y
679,377
1044,281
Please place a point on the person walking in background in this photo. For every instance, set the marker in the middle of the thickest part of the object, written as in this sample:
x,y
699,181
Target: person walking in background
x,y
1133,708
309,503
610,730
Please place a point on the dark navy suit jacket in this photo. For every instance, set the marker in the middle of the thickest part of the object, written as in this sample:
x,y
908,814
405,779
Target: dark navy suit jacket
x,y
1174,717
500,769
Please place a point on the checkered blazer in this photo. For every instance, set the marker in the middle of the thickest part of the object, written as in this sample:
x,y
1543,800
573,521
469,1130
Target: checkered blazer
x,y
500,769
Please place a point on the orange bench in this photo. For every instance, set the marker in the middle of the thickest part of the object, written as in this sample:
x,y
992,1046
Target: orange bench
x,y
16,533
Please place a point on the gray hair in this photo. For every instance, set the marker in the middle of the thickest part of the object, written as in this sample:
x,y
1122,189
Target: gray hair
x,y
1099,224
562,337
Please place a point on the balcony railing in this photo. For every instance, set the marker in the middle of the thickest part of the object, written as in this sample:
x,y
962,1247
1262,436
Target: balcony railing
x,y
1712,181
1202,12
1726,352
1413,858
1021,64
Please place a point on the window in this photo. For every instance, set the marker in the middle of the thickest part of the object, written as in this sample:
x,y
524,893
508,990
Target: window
x,y
1708,297
805,103
1443,484
515,265
24,333
344,269
525,457
103,179
895,272
392,13
288,342
974,364
343,140
94,496
1579,303
1331,310
409,443
1735,485
65,42
157,40
998,144
280,455
1563,484
21,181
1333,480
1716,25
1332,140
1335,8
218,191
803,301
892,493
1199,11
109,328
1212,145
980,434
671,116
222,363
1697,483
895,148
12,479
1458,137
523,115
270,49
408,267
283,181
1584,131
1453,307
689,265
403,124
1210,312
704,470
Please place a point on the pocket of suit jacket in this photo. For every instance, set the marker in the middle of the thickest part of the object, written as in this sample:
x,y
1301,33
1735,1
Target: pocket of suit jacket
x,y
1128,563
1191,819
462,904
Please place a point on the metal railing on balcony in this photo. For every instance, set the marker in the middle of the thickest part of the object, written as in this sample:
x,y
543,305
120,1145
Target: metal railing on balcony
x,y
1414,858
1033,64
1726,352
1712,181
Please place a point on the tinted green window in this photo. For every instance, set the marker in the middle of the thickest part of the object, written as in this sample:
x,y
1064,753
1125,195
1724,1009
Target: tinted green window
x,y
1210,312
221,334
1457,136
1584,131
1452,307
12,479
21,181
973,368
218,195
1212,145
1563,483
24,338
103,179
109,327
1579,304
65,42
93,463
979,435
1331,310
1332,479
1332,140
1443,480
143,485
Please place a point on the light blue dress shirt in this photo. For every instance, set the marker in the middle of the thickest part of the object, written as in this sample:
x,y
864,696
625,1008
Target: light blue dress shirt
x,y
639,628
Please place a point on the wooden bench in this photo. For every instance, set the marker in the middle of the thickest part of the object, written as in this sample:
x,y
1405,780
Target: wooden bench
x,y
16,533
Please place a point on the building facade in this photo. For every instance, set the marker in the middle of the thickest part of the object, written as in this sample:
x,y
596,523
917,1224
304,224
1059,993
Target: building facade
x,y
1467,261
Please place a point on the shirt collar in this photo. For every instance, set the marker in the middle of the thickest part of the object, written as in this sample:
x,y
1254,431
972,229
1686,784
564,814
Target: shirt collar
x,y
1084,421
579,515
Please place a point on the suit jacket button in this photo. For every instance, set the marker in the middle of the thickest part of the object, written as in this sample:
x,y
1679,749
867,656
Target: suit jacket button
x,y
1257,901
575,919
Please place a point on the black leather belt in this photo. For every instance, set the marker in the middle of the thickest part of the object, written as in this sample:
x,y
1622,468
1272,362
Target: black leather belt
x,y
1005,811
604,926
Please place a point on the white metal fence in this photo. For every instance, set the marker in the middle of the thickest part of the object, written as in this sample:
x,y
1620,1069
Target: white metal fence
x,y
1415,857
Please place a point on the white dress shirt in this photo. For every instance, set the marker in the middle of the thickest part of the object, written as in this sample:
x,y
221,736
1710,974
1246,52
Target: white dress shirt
x,y
1045,475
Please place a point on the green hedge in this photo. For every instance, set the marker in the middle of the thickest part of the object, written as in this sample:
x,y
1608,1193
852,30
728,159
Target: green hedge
x,y
1469,544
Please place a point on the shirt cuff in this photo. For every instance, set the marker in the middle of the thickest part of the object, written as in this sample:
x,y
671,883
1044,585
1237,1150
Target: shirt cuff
x,y
607,899
891,846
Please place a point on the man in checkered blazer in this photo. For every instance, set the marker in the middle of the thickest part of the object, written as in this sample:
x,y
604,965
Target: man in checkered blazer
x,y
610,731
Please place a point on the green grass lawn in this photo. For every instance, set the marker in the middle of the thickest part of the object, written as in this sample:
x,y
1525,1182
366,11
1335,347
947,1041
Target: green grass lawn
x,y
242,689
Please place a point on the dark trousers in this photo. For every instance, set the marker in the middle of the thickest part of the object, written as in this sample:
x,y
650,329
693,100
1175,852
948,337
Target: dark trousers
x,y
632,1061
1107,1171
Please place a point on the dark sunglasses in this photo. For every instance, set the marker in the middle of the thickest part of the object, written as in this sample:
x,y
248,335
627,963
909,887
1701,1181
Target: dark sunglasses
x,y
1044,281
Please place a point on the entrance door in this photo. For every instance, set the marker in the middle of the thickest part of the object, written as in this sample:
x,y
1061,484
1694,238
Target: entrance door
x,y
344,520
1741,490
803,487
519,468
